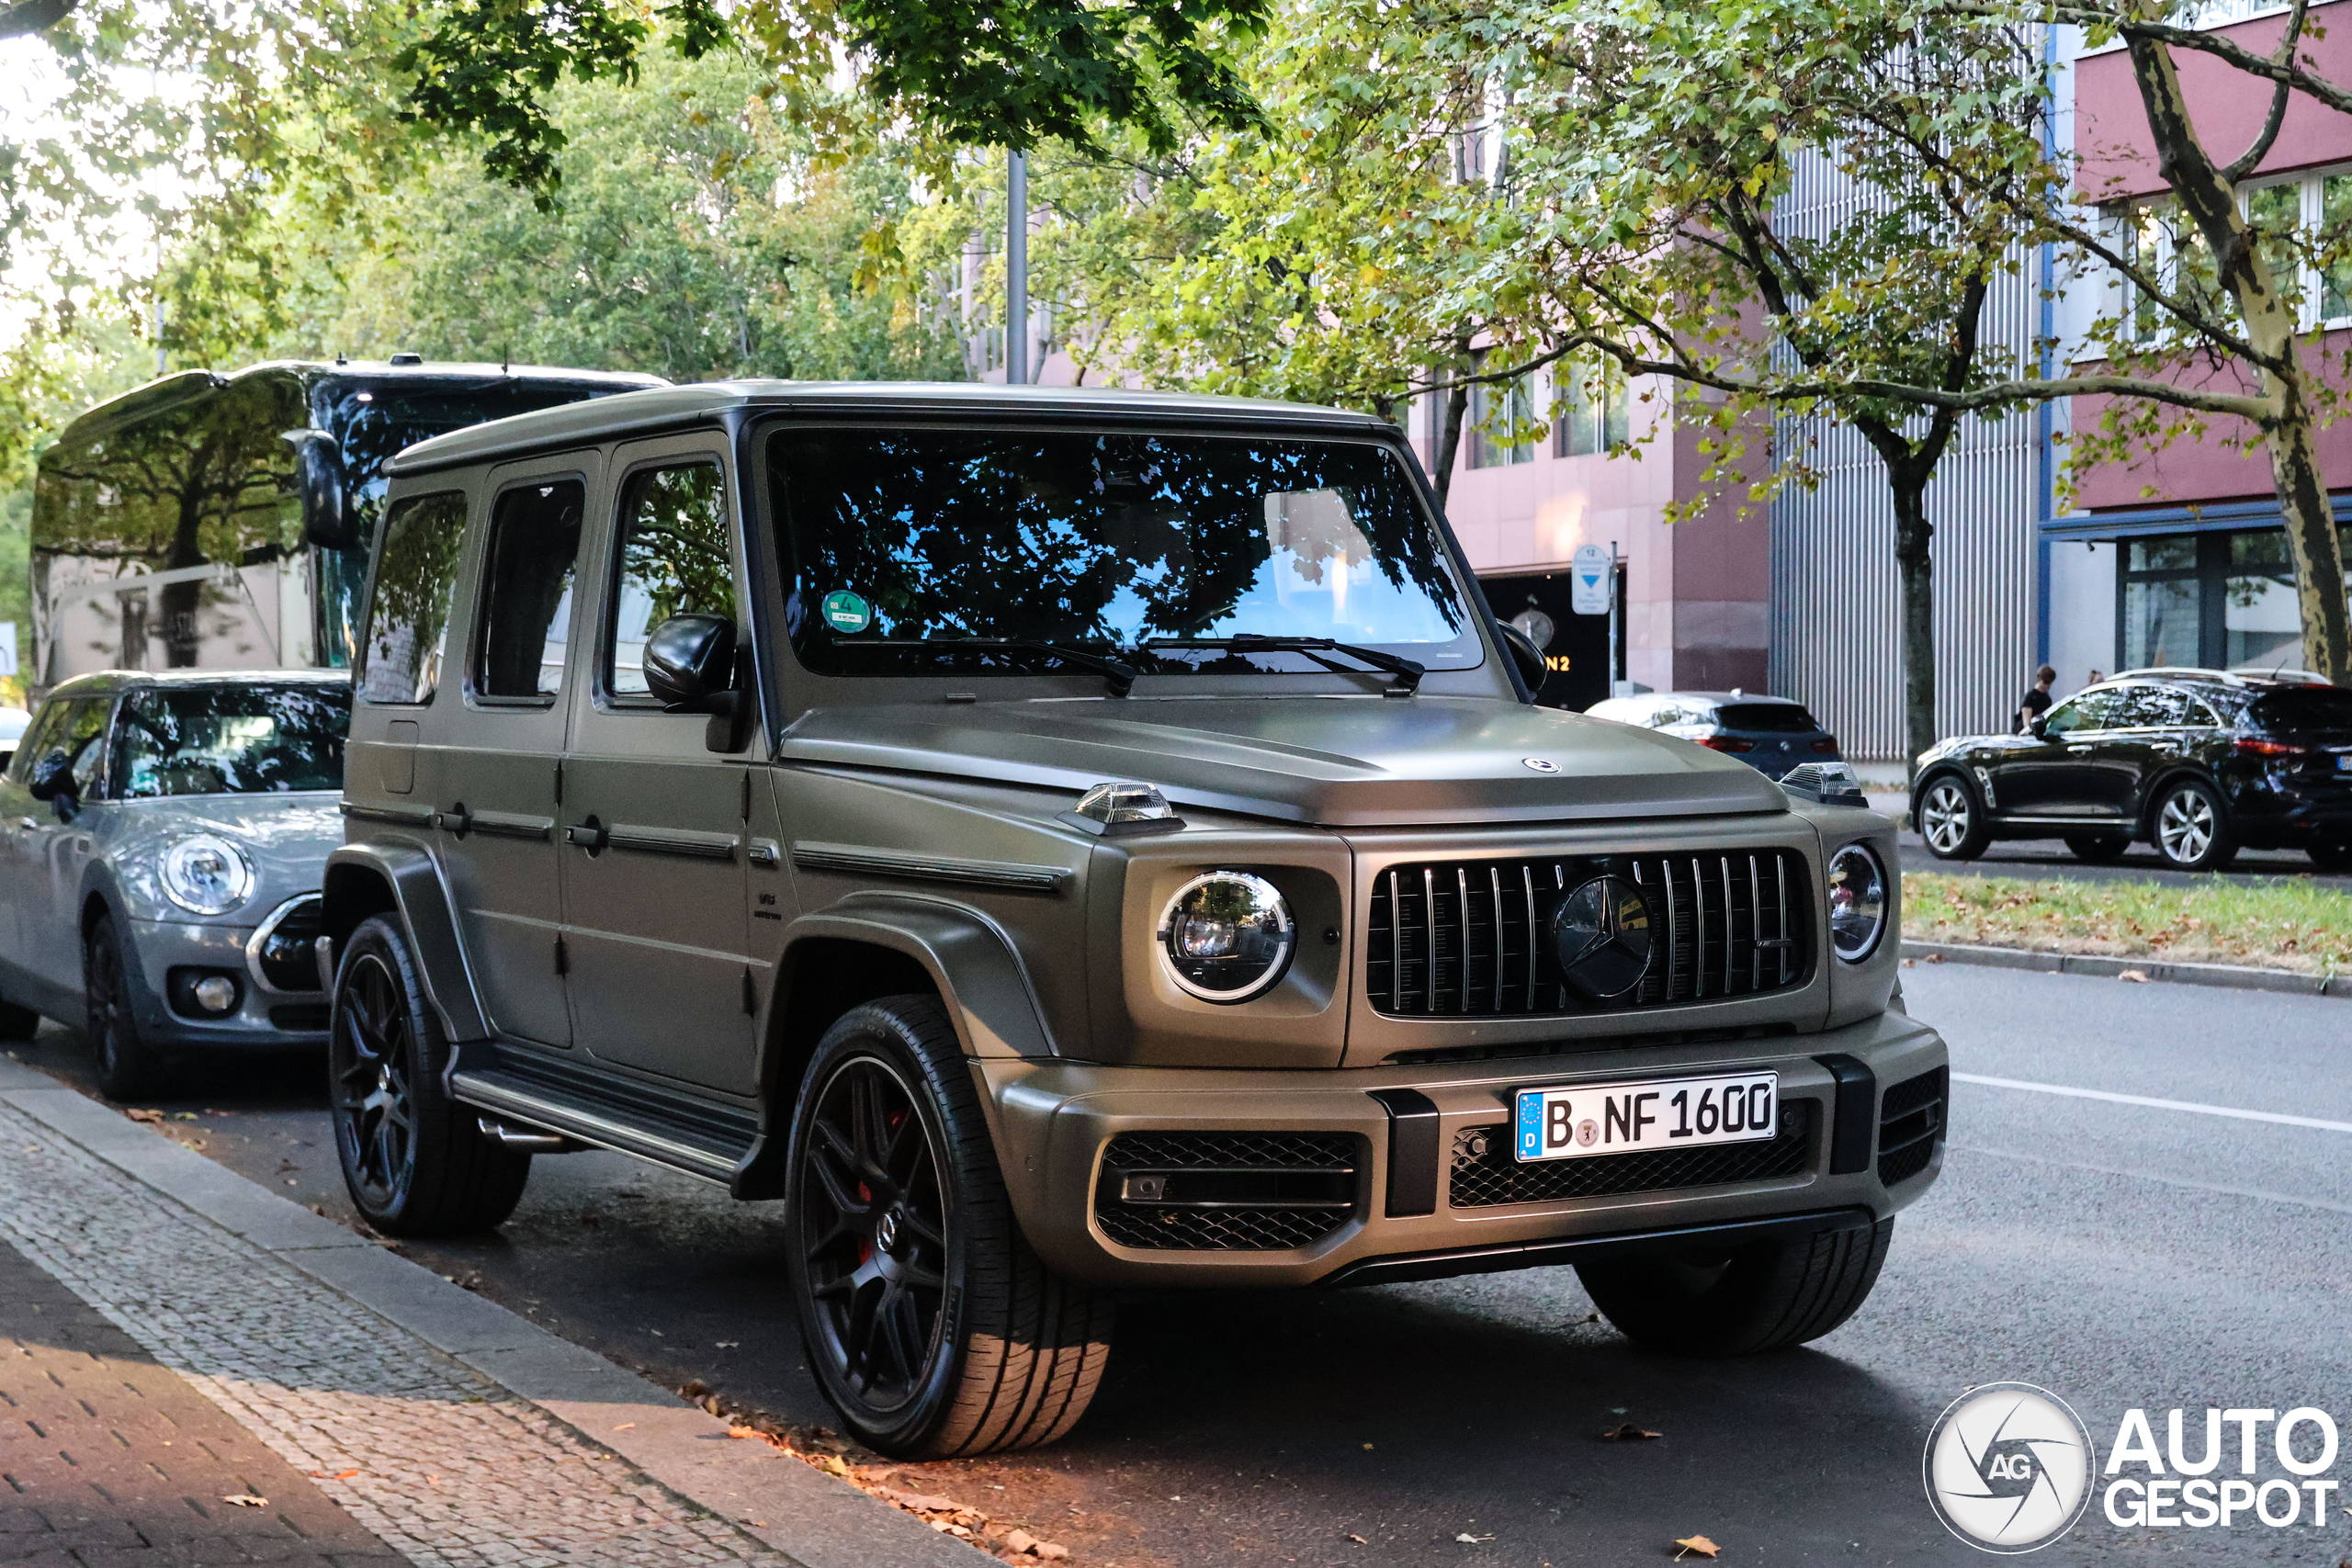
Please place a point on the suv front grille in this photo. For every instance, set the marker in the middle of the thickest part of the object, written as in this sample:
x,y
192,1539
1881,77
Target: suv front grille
x,y
1225,1192
1455,938
1485,1175
1910,1126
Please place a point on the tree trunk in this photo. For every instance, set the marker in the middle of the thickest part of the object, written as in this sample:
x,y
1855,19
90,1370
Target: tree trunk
x,y
1915,568
2209,196
1448,440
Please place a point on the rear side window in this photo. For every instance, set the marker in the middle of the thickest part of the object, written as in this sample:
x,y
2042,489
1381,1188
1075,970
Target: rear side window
x,y
526,584
39,738
2310,710
408,621
1769,718
2150,708
673,561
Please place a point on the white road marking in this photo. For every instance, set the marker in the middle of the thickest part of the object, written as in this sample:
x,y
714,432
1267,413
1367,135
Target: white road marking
x,y
2197,1107
2263,1193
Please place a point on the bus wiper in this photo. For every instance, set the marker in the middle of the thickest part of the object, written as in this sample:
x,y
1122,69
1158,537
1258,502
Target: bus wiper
x,y
1121,678
1409,674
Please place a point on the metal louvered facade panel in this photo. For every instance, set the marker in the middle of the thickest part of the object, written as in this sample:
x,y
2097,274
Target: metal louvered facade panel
x,y
1835,627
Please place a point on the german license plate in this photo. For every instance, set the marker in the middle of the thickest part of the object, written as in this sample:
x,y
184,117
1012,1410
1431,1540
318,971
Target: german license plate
x,y
2344,762
1625,1118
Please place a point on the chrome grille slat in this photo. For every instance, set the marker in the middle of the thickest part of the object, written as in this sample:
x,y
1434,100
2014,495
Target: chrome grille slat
x,y
1424,963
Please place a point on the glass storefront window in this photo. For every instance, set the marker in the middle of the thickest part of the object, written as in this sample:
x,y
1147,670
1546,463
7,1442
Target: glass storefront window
x,y
2209,600
2160,623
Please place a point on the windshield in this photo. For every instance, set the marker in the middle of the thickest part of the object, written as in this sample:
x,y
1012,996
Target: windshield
x,y
372,422
232,739
2313,710
914,550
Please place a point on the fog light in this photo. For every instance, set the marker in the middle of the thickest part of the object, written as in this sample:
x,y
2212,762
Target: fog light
x,y
215,993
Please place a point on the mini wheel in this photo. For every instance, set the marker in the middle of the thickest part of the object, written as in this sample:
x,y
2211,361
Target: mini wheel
x,y
1769,1296
930,1322
2192,827
1951,821
127,1065
414,1161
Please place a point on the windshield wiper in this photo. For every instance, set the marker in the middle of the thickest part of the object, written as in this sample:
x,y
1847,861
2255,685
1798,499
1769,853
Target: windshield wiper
x,y
1121,678
1409,674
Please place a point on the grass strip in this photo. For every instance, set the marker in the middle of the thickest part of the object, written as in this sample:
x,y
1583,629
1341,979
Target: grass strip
x,y
2270,923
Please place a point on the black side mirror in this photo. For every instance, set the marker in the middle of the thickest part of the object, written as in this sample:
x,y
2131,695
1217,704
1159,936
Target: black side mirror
x,y
1525,654
52,781
691,665
318,471
2040,728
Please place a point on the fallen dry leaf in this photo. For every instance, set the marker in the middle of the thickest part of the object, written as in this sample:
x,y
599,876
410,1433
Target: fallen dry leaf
x,y
339,1475
246,1500
624,1426
1697,1545
152,1118
183,1115
1628,1433
1359,1540
1052,1551
1468,1540
1019,1541
2139,977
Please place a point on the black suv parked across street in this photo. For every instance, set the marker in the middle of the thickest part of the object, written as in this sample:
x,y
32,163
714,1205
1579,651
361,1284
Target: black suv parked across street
x,y
2198,762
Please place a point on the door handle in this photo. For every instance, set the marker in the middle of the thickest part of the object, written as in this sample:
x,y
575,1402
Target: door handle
x,y
2079,750
588,835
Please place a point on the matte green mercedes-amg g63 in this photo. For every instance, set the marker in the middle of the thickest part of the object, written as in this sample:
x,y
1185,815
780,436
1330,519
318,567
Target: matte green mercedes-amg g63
x,y
1057,843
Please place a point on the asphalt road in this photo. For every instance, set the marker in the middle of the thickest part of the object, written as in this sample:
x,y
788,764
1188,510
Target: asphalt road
x,y
2119,1255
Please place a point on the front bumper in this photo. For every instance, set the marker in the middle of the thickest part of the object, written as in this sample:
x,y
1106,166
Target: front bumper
x,y
1054,1120
263,1019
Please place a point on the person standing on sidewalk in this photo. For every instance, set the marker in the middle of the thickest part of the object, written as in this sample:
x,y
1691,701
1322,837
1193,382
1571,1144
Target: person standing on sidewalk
x,y
2036,702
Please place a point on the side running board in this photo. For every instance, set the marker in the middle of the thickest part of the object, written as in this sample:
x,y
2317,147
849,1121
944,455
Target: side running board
x,y
699,1145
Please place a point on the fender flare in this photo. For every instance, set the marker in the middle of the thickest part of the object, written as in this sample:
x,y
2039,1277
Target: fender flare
x,y
982,983
412,880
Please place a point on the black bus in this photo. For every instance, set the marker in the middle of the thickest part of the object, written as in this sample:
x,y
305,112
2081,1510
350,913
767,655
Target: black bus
x,y
210,521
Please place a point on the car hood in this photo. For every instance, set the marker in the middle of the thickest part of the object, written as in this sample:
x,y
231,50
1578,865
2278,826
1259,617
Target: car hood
x,y
287,837
1367,762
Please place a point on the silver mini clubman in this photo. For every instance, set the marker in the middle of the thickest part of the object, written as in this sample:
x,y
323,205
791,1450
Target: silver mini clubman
x,y
162,838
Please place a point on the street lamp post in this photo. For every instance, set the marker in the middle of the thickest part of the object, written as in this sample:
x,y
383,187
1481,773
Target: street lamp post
x,y
1016,269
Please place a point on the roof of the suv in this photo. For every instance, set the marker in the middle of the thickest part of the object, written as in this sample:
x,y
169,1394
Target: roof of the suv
x,y
127,680
705,402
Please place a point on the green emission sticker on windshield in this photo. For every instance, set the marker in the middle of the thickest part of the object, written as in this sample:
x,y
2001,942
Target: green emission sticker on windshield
x,y
845,612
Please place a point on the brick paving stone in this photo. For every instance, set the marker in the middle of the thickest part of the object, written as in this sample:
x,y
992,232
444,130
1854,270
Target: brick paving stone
x,y
411,1449
108,1457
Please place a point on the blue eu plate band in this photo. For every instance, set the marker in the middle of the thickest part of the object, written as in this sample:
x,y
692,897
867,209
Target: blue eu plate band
x,y
1412,1151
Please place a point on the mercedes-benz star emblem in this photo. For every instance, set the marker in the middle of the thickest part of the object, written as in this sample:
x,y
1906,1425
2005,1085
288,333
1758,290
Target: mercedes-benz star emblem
x,y
1542,765
1601,932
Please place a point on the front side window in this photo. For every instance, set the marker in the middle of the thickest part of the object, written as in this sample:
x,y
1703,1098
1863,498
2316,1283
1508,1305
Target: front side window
x,y
927,551
2092,710
232,740
527,571
416,576
672,560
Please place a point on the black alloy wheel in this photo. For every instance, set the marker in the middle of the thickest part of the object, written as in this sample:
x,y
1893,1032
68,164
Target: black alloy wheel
x,y
125,1064
2192,827
930,1322
2098,848
873,1232
1950,823
415,1162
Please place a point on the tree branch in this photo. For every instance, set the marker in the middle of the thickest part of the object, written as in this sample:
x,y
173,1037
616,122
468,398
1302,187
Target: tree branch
x,y
2251,159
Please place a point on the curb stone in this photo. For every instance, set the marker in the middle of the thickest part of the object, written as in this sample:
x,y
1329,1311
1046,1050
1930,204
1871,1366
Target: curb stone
x,y
815,1518
2228,976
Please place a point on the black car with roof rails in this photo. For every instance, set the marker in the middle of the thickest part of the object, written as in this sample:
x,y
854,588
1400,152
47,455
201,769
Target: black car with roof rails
x,y
2199,763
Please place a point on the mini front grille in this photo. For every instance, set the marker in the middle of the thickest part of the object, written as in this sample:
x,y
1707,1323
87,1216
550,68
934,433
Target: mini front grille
x,y
1485,1175
284,953
1472,938
1225,1192
1910,1126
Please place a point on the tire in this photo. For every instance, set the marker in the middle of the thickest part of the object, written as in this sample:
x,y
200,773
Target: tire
x,y
932,1325
2334,857
127,1065
1951,821
414,1161
2190,828
1768,1297
2098,848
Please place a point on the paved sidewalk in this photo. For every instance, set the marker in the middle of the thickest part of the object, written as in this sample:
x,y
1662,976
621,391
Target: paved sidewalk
x,y
427,1422
109,1457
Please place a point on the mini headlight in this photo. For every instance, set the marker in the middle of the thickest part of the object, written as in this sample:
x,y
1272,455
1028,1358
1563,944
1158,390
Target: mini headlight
x,y
1857,902
207,875
1227,936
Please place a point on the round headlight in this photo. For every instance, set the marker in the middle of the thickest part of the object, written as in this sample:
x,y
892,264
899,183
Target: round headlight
x,y
1857,902
207,875
1226,937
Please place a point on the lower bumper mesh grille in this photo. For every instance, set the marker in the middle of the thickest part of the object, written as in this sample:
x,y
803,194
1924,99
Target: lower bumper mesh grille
x,y
1910,1126
1485,1175
1225,1192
